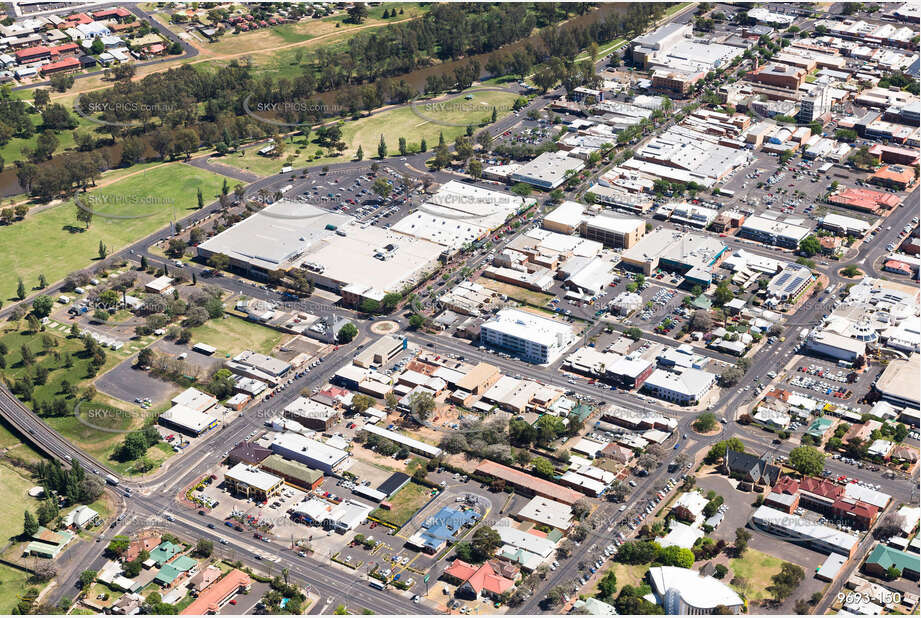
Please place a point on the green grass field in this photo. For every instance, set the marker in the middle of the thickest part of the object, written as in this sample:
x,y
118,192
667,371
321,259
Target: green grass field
x,y
428,121
12,150
15,483
13,583
627,575
16,447
95,426
756,568
58,372
232,335
54,243
404,503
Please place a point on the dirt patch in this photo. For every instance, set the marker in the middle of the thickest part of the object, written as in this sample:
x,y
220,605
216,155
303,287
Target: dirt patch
x,y
384,327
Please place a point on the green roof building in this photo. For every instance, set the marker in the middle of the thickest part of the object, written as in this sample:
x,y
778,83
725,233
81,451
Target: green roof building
x,y
294,472
169,572
819,427
163,552
702,302
882,558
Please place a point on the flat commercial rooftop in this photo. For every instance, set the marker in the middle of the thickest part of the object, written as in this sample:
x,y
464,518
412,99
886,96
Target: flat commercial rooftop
x,y
689,249
900,379
276,235
461,213
373,257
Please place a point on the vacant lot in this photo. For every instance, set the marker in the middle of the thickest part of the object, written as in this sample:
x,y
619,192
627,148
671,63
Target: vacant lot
x,y
627,575
54,243
16,448
404,503
528,297
231,335
756,568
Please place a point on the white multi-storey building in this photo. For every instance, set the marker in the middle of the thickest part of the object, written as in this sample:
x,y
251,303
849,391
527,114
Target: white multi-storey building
x,y
531,337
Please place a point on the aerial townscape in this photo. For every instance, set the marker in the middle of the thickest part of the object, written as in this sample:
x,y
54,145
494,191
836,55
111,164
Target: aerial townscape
x,y
410,308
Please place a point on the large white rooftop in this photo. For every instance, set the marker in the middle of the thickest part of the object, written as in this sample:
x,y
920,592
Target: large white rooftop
x,y
531,327
275,235
253,477
696,590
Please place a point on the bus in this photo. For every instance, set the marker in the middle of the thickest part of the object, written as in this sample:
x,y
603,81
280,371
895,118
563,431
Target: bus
x,y
378,584
727,193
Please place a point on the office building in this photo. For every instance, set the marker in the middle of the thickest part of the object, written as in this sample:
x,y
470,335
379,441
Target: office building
x,y
247,481
532,337
815,106
778,75
844,226
686,388
308,451
614,232
773,231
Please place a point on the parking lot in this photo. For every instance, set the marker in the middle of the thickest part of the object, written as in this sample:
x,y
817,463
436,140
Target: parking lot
x,y
351,192
826,381
661,311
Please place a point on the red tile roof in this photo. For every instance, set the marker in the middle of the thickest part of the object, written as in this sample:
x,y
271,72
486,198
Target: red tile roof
x,y
865,199
60,65
858,509
460,570
116,12
65,48
821,487
29,52
483,578
210,598
79,18
786,485
896,173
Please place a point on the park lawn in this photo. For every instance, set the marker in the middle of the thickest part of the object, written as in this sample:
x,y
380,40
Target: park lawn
x,y
16,484
529,297
12,150
757,568
332,29
13,584
392,124
54,243
101,445
77,375
231,335
627,574
404,504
